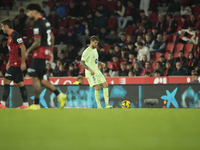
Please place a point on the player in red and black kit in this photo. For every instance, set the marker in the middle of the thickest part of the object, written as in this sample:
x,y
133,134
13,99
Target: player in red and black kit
x,y
42,49
16,63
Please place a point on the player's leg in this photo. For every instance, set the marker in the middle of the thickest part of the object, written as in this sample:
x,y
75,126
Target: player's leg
x,y
97,95
106,94
24,95
6,92
61,96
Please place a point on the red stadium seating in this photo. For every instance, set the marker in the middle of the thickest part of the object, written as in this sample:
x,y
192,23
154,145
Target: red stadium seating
x,y
179,47
196,10
71,22
63,23
165,38
169,47
186,54
129,30
111,5
81,69
166,55
153,65
93,4
176,55
112,22
50,4
107,48
157,56
188,47
174,37
103,2
109,65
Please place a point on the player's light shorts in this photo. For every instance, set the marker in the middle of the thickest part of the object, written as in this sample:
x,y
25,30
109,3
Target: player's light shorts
x,y
96,79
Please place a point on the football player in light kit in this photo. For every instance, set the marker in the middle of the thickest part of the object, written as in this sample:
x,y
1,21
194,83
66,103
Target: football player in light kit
x,y
42,49
89,61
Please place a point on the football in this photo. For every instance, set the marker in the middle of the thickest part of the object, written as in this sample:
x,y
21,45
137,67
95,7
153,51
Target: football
x,y
126,104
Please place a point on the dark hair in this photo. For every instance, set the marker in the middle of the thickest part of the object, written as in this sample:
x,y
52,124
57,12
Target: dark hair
x,y
168,62
34,6
141,11
44,2
181,51
148,62
147,73
94,38
157,71
162,56
189,54
170,15
158,62
140,43
184,16
8,22
155,28
190,26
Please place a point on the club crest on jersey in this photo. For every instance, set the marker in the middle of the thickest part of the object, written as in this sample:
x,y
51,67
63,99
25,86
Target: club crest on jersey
x,y
83,56
96,61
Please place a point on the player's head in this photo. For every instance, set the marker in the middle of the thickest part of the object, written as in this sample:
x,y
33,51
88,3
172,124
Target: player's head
x,y
94,40
6,25
33,9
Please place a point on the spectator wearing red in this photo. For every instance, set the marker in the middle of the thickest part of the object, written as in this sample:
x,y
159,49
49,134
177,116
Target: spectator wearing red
x,y
152,15
53,19
160,23
183,24
115,66
171,24
168,69
147,68
181,58
193,20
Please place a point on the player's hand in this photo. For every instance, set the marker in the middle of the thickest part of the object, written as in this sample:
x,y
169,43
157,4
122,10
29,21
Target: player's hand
x,y
7,66
23,66
92,72
51,57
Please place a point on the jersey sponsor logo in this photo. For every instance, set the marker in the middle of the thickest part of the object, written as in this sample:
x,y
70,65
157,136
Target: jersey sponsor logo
x,y
83,56
96,61
36,31
19,40
8,75
31,70
47,24
46,52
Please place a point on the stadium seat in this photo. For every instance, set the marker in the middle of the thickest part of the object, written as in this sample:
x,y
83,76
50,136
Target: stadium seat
x,y
165,38
196,9
186,54
153,65
109,65
166,55
71,22
111,5
176,55
169,47
103,2
50,4
63,23
188,47
112,22
179,47
107,48
157,56
81,69
174,37
93,4
129,30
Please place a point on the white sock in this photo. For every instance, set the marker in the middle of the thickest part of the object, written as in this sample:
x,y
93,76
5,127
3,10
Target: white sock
x,y
3,103
25,104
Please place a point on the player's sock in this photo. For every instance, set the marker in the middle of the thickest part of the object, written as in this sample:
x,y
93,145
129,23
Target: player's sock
x,y
24,95
106,95
97,97
6,92
37,100
56,92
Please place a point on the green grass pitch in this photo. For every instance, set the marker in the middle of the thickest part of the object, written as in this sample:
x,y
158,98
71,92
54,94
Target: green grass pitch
x,y
100,129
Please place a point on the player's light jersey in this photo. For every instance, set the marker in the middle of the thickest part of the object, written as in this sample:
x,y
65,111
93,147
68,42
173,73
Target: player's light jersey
x,y
90,56
14,41
42,29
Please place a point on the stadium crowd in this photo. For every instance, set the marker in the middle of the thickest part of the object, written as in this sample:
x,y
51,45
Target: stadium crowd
x,y
135,40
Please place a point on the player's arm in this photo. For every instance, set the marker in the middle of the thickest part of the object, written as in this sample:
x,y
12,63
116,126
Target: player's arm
x,y
35,45
86,67
23,51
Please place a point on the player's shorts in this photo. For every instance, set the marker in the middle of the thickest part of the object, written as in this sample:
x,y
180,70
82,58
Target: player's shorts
x,y
15,74
37,68
96,80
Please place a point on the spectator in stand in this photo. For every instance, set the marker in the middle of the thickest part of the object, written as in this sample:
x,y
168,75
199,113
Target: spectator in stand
x,y
195,39
152,15
154,33
110,54
56,69
141,16
74,11
147,24
89,18
104,10
45,8
142,50
128,39
99,20
62,58
162,60
171,24
198,23
191,62
194,77
72,53
178,71
102,36
144,60
79,80
117,51
130,74
124,54
161,23
112,37
61,38
4,47
70,39
147,74
183,24
119,9
171,59
89,31
128,16
148,40
122,40
168,69
193,20
60,9
49,70
157,73
130,48
139,39
85,8
140,31
115,63
53,19
106,73
144,5
71,71
28,43
158,45
187,35
147,68
132,58
181,58
174,7
19,21
158,67
61,72
136,69
197,50
129,66
185,10
123,71
78,31
103,56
